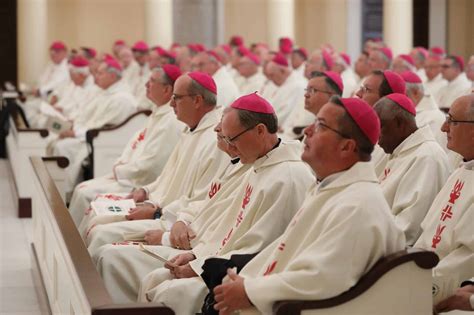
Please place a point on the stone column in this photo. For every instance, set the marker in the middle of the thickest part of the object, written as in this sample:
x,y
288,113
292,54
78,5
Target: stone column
x,y
159,22
32,39
280,20
398,25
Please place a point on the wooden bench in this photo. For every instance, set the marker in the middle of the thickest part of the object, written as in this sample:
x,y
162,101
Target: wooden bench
x,y
108,143
69,277
21,143
398,284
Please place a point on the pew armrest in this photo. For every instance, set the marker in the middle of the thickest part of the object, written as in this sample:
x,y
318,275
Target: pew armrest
x,y
421,261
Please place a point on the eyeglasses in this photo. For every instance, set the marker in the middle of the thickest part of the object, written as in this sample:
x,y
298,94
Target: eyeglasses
x,y
177,97
319,126
311,91
450,121
230,141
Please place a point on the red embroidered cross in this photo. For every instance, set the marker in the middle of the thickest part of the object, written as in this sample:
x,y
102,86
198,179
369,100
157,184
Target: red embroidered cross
x,y
214,189
240,217
227,237
140,138
248,194
446,213
456,192
270,268
437,237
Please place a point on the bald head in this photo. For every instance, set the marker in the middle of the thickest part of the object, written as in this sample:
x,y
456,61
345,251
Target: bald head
x,y
277,73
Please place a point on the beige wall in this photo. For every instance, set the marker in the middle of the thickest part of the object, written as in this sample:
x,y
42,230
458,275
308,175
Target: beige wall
x,y
319,22
94,23
247,18
460,32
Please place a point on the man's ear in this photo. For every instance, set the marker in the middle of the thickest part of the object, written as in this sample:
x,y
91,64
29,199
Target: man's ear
x,y
348,147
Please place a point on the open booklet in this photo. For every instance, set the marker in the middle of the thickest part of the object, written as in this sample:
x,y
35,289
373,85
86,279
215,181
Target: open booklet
x,y
112,207
151,253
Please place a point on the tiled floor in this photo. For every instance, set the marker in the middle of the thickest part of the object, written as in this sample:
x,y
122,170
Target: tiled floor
x,y
17,289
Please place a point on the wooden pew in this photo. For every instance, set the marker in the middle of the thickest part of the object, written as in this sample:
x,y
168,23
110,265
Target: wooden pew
x,y
108,143
23,142
398,284
69,277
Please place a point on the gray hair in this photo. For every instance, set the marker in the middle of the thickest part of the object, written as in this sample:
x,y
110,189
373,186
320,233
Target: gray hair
x,y
164,78
414,86
389,110
197,89
117,72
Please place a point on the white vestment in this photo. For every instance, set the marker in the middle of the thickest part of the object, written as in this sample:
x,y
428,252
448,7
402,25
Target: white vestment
x,y
288,98
53,76
269,198
428,113
141,162
195,161
349,81
110,106
334,229
433,87
415,172
448,230
454,89
251,84
227,90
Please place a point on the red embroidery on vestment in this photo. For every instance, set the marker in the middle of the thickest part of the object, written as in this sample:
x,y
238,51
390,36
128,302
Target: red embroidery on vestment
x,y
437,237
270,268
215,187
248,194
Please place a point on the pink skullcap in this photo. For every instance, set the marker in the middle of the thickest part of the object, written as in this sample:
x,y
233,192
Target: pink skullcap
x,y
92,52
327,59
214,54
236,40
460,60
410,77
113,63
160,50
242,50
395,81
437,50
403,101
227,49
423,51
253,103
346,57
140,46
253,57
336,78
205,80
175,45
120,42
199,47
172,71
364,116
387,52
302,51
286,45
108,56
58,45
407,58
79,62
170,54
280,60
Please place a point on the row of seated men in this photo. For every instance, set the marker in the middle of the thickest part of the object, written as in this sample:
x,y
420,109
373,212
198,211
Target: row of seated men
x,y
230,186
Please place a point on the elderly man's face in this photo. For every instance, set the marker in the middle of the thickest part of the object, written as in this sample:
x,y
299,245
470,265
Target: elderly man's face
x,y
449,70
460,134
377,61
202,63
77,77
317,94
432,68
104,78
361,66
156,91
314,63
275,73
125,57
369,90
57,55
182,102
242,141
321,146
246,67
221,144
154,59
141,57
296,60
